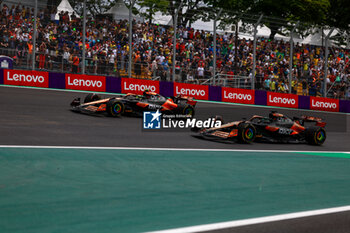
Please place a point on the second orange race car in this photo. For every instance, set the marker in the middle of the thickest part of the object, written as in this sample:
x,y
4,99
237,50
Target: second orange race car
x,y
274,128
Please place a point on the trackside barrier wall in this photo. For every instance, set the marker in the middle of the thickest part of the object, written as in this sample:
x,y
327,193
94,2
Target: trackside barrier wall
x,y
137,86
1,76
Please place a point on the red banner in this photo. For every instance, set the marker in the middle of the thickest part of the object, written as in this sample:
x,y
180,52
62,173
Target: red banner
x,y
138,86
200,92
324,104
26,78
86,82
236,95
282,100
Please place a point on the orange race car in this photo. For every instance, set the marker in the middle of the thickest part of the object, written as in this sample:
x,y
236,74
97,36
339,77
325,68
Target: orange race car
x,y
274,128
135,105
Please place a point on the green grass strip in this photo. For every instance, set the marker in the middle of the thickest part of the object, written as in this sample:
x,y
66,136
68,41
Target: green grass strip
x,y
325,154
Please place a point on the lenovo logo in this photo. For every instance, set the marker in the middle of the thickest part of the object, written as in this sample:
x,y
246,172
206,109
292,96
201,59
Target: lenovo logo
x,y
194,90
324,104
84,83
190,92
280,100
321,104
139,87
26,78
237,96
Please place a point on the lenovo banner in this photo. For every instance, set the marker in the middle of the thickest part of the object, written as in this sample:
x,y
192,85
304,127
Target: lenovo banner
x,y
236,95
26,78
200,92
138,86
324,104
86,82
282,100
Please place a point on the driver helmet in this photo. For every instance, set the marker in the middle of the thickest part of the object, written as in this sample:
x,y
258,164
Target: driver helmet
x,y
146,94
149,94
273,116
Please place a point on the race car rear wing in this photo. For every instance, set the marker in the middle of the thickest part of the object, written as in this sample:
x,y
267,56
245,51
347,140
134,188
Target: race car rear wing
x,y
303,119
189,99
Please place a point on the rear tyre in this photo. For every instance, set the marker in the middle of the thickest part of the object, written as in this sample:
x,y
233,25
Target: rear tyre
x,y
246,133
188,111
315,136
91,97
115,108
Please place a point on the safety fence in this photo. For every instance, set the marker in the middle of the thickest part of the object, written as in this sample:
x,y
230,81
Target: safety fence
x,y
201,92
191,46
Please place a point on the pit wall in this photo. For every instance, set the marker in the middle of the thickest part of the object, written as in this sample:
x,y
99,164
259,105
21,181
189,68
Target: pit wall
x,y
137,86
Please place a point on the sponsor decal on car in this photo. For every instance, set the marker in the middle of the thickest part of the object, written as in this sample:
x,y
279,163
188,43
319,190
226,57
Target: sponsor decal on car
x,y
282,100
200,92
26,78
324,104
138,86
285,131
236,95
86,82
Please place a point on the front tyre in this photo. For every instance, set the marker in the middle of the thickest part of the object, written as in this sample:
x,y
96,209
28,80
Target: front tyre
x,y
246,133
315,136
115,108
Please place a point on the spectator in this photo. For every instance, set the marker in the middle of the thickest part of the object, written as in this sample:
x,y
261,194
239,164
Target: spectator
x,y
273,85
267,84
294,86
66,59
200,72
107,51
137,64
111,61
342,90
304,87
75,63
42,55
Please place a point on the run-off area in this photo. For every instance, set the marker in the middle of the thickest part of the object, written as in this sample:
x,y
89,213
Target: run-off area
x,y
137,190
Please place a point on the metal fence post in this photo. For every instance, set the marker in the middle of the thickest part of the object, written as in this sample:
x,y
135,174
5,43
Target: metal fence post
x,y
291,41
326,64
174,40
130,37
214,47
34,33
84,39
254,52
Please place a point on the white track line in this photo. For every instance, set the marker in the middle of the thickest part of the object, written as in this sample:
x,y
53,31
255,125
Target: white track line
x,y
162,149
245,222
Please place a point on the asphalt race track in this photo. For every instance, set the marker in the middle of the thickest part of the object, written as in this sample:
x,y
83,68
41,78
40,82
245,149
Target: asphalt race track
x,y
42,117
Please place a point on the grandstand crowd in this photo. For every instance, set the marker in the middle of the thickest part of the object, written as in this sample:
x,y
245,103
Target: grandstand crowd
x,y
59,47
